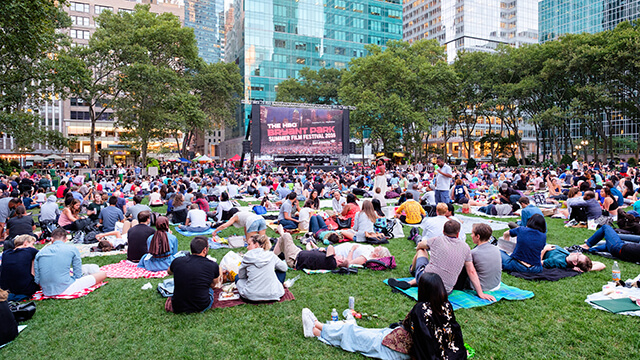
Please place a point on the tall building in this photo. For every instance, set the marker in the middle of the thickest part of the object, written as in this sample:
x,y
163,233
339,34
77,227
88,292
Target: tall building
x,y
273,40
75,114
205,18
471,25
558,17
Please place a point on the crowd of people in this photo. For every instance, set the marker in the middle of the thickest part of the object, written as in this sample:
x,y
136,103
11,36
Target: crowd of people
x,y
361,206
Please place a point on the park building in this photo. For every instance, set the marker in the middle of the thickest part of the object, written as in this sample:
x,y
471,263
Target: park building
x,y
271,41
471,25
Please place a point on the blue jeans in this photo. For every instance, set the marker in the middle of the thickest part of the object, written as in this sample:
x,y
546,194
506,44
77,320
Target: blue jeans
x,y
442,196
288,224
511,264
613,241
211,302
316,223
630,238
194,229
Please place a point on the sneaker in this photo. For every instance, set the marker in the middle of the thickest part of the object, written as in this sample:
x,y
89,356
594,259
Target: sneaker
x,y
571,223
308,322
280,229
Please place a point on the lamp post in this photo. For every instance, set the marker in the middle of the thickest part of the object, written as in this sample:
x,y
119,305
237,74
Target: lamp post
x,y
578,148
584,144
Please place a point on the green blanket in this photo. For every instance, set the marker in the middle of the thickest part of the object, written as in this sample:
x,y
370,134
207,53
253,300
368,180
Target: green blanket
x,y
617,305
468,298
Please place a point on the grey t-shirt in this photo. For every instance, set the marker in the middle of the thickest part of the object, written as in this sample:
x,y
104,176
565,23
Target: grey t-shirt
x,y
285,208
135,210
110,215
488,264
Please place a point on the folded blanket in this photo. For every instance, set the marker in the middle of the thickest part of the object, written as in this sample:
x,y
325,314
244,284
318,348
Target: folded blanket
x,y
547,274
40,296
189,233
311,272
218,304
623,306
468,298
128,270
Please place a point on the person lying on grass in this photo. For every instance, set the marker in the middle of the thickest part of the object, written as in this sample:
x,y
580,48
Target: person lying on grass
x,y
557,257
195,277
357,254
614,245
448,255
313,258
430,329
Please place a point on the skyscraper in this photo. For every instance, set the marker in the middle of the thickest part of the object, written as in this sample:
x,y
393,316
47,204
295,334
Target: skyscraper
x,y
273,40
471,25
205,18
558,17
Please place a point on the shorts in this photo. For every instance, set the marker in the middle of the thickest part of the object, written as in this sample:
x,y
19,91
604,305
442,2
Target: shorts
x,y
80,284
421,263
257,225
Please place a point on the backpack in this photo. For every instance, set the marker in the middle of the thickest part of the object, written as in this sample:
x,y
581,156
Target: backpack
x,y
384,263
259,209
414,235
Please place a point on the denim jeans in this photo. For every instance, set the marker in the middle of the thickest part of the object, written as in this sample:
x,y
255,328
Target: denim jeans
x,y
511,264
613,241
442,196
288,224
316,224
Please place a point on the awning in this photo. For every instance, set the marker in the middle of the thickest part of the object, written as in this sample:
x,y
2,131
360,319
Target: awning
x,y
235,157
184,160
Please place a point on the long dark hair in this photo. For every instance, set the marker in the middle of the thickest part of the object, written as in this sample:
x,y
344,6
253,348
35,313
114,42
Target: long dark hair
x,y
536,222
431,290
377,206
160,241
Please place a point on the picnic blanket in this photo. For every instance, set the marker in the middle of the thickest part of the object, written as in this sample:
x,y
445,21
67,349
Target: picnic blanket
x,y
622,306
85,251
547,274
468,221
474,210
219,304
189,233
273,226
128,270
40,296
311,272
466,299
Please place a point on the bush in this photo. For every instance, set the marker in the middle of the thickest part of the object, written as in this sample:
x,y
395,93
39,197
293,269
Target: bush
x,y
471,164
153,163
632,162
566,159
512,161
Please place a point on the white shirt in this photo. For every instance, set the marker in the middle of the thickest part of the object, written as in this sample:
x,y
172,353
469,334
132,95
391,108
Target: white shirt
x,y
432,226
443,182
233,190
362,250
429,197
338,204
197,217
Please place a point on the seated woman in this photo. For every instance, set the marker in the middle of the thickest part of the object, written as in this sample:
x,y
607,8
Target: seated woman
x,y
70,216
315,201
178,209
269,205
555,190
610,203
431,325
223,211
304,215
363,224
257,279
615,246
9,328
162,247
155,199
460,193
527,255
350,209
21,224
574,196
17,272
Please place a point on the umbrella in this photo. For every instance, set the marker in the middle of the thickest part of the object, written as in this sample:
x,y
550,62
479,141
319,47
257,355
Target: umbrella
x,y
384,158
204,158
235,157
54,157
184,160
35,158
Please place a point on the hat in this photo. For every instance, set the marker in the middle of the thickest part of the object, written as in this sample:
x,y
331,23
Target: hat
x,y
553,173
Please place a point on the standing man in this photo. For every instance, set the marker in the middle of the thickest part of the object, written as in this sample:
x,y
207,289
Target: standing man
x,y
443,181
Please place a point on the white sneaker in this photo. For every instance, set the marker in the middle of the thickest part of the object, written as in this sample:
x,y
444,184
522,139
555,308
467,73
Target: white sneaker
x,y
308,322
280,229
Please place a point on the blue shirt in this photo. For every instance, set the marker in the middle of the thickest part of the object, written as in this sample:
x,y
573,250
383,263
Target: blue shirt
x,y
529,246
109,216
283,192
615,192
527,212
52,264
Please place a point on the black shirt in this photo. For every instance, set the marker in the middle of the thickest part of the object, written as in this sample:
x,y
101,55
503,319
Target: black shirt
x,y
193,276
20,226
9,328
97,208
16,271
315,260
137,238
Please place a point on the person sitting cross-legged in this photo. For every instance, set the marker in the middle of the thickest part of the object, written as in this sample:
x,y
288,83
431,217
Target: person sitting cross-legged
x,y
526,256
414,212
196,220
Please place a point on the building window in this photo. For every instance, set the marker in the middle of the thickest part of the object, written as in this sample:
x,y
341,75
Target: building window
x,y
358,23
79,7
340,4
375,10
280,43
130,11
79,34
301,46
339,65
76,102
257,88
80,20
339,35
100,8
80,115
340,20
301,61
105,116
279,28
339,51
280,73
359,38
358,8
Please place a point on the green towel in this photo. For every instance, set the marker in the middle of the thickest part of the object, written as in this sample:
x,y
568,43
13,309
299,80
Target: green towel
x,y
617,305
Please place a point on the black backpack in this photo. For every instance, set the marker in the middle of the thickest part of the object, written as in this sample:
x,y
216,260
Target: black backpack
x,y
414,235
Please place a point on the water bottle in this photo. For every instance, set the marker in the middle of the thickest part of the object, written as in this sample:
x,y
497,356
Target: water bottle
x,y
348,315
334,315
615,272
352,302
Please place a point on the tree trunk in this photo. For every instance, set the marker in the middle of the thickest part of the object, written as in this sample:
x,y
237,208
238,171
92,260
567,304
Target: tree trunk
x,y
143,151
92,137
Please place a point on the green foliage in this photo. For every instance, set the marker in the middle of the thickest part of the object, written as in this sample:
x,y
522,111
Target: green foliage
x,y
632,162
312,87
153,163
29,39
513,162
471,164
566,159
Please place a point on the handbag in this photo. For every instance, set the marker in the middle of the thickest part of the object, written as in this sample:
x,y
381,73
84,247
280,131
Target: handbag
x,y
22,312
398,340
383,263
343,223
166,288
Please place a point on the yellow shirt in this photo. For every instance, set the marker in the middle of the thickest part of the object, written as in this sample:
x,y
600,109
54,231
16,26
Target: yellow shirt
x,y
413,211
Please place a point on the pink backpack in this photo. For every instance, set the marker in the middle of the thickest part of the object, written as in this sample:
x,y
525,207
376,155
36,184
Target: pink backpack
x,y
384,263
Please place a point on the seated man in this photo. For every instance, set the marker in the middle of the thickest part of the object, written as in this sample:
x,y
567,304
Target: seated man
x,y
359,254
508,195
527,211
195,277
133,211
486,260
49,211
196,220
285,217
614,245
52,265
17,264
413,210
432,226
312,258
110,215
137,237
448,255
559,258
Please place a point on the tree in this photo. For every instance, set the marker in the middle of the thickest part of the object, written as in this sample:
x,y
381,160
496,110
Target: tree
x,y
312,87
29,41
157,56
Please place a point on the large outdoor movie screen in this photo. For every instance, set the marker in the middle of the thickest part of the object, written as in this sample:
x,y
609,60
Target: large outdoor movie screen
x,y
292,131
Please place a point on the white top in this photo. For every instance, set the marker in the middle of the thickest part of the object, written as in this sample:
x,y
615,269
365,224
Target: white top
x,y
304,215
429,197
197,217
154,198
432,226
443,182
233,190
362,250
222,206
380,197
245,219
338,204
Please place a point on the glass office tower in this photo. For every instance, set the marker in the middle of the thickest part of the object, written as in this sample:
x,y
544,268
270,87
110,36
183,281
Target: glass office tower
x,y
558,17
272,40
205,18
471,25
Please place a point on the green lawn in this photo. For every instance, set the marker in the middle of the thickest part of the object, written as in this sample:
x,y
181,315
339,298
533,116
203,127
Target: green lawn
x,y
121,320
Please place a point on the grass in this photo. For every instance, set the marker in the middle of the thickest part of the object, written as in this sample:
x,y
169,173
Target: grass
x,y
121,320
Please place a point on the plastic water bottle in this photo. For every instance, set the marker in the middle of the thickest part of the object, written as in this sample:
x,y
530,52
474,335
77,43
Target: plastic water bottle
x,y
347,314
352,302
615,272
334,315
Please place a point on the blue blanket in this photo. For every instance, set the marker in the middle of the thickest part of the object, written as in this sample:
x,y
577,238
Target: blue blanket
x,y
189,233
468,299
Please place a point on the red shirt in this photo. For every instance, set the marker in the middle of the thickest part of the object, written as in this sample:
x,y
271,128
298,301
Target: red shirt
x,y
60,191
